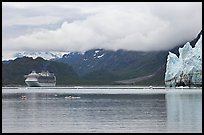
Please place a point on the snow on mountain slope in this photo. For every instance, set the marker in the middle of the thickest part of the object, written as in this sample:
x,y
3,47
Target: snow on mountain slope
x,y
48,55
44,55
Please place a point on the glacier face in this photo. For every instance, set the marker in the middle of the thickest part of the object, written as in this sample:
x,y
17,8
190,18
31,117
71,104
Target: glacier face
x,y
185,70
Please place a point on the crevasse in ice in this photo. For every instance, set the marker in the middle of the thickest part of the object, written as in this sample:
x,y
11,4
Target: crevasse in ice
x,y
185,70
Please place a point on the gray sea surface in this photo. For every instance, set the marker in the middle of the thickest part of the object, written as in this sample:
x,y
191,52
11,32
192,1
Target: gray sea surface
x,y
101,110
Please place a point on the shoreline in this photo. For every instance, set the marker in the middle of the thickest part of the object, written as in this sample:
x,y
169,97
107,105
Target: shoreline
x,y
100,90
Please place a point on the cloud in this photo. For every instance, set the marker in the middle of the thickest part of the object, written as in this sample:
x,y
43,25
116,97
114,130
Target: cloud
x,y
31,21
130,26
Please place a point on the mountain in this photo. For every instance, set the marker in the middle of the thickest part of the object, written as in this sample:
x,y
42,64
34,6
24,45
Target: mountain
x,y
43,54
108,66
121,66
13,72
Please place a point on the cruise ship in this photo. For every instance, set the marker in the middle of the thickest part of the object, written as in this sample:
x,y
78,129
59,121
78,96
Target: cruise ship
x,y
43,79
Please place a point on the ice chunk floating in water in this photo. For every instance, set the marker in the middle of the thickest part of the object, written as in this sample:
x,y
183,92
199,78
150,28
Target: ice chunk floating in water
x,y
185,70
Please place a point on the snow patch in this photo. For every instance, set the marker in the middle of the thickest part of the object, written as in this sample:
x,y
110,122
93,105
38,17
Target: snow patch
x,y
100,56
97,51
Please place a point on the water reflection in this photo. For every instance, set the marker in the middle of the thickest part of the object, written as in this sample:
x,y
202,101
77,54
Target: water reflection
x,y
184,112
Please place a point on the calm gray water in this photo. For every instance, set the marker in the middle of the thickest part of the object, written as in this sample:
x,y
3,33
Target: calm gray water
x,y
107,110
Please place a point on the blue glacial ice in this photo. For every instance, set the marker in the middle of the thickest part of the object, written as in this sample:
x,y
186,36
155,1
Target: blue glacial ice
x,y
185,70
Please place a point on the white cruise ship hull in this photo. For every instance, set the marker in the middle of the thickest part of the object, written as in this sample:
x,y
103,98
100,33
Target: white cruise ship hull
x,y
37,84
33,82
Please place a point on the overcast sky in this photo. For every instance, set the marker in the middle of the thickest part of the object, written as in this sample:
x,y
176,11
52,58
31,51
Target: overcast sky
x,y
82,26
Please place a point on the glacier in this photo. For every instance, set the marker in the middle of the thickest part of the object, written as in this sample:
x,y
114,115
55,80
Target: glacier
x,y
185,70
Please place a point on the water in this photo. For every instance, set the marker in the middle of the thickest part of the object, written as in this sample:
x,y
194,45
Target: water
x,y
121,110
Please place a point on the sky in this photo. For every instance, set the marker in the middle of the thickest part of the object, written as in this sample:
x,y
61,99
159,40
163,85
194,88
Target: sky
x,y
78,26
